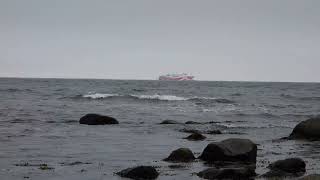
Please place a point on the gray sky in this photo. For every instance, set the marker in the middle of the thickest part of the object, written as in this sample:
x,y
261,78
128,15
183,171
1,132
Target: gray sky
x,y
270,40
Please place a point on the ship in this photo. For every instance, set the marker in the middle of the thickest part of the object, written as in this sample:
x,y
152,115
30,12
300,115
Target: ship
x,y
176,77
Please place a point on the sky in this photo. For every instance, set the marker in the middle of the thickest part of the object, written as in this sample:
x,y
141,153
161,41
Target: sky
x,y
232,40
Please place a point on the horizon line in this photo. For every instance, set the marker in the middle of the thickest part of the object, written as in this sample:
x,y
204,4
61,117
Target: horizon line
x,y
83,78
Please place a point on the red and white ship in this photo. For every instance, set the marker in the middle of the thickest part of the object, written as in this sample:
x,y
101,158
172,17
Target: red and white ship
x,y
176,77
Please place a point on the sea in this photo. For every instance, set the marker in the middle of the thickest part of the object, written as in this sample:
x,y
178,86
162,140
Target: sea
x,y
39,124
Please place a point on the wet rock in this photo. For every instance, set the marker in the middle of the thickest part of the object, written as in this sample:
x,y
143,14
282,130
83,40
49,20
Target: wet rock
x,y
234,150
192,122
214,132
196,137
311,177
190,131
228,173
293,167
181,155
139,173
26,164
170,122
45,167
96,119
309,129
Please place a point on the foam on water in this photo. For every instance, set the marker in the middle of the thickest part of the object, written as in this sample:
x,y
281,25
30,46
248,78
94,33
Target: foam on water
x,y
161,97
99,95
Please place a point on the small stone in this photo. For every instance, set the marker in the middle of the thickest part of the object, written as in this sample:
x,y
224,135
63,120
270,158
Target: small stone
x,y
170,122
196,137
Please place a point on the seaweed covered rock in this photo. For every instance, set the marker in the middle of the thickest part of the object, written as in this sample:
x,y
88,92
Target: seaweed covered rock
x,y
181,155
96,119
309,129
234,150
139,173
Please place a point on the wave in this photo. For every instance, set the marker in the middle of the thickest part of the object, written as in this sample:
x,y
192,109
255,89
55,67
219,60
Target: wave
x,y
156,97
258,126
13,90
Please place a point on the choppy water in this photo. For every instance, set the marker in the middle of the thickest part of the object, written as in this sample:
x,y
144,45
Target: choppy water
x,y
39,124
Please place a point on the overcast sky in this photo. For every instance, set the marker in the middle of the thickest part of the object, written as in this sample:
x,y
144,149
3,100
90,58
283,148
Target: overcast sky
x,y
254,40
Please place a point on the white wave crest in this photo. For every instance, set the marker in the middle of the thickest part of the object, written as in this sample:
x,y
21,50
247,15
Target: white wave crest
x,y
161,97
93,95
99,95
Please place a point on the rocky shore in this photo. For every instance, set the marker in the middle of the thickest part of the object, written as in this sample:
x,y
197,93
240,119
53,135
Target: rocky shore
x,y
232,158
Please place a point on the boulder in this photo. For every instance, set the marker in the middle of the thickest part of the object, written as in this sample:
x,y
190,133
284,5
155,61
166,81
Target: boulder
x,y
181,155
311,177
228,173
170,122
96,119
139,173
309,129
293,167
233,150
196,137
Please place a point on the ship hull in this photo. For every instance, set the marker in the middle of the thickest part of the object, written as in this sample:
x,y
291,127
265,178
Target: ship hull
x,y
183,78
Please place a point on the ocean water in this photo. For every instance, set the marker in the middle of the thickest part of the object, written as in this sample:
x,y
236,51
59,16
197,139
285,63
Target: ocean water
x,y
39,124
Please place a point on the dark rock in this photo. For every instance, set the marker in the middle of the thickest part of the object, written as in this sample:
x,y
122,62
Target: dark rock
x,y
190,131
214,132
311,177
139,173
293,167
96,119
45,167
181,155
170,122
234,150
289,165
26,164
176,166
196,137
192,122
228,173
309,129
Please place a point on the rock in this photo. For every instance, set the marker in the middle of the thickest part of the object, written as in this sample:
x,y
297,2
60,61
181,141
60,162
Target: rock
x,y
214,132
234,150
190,131
196,137
311,177
181,155
309,129
228,173
293,167
192,122
45,167
170,122
96,119
139,173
